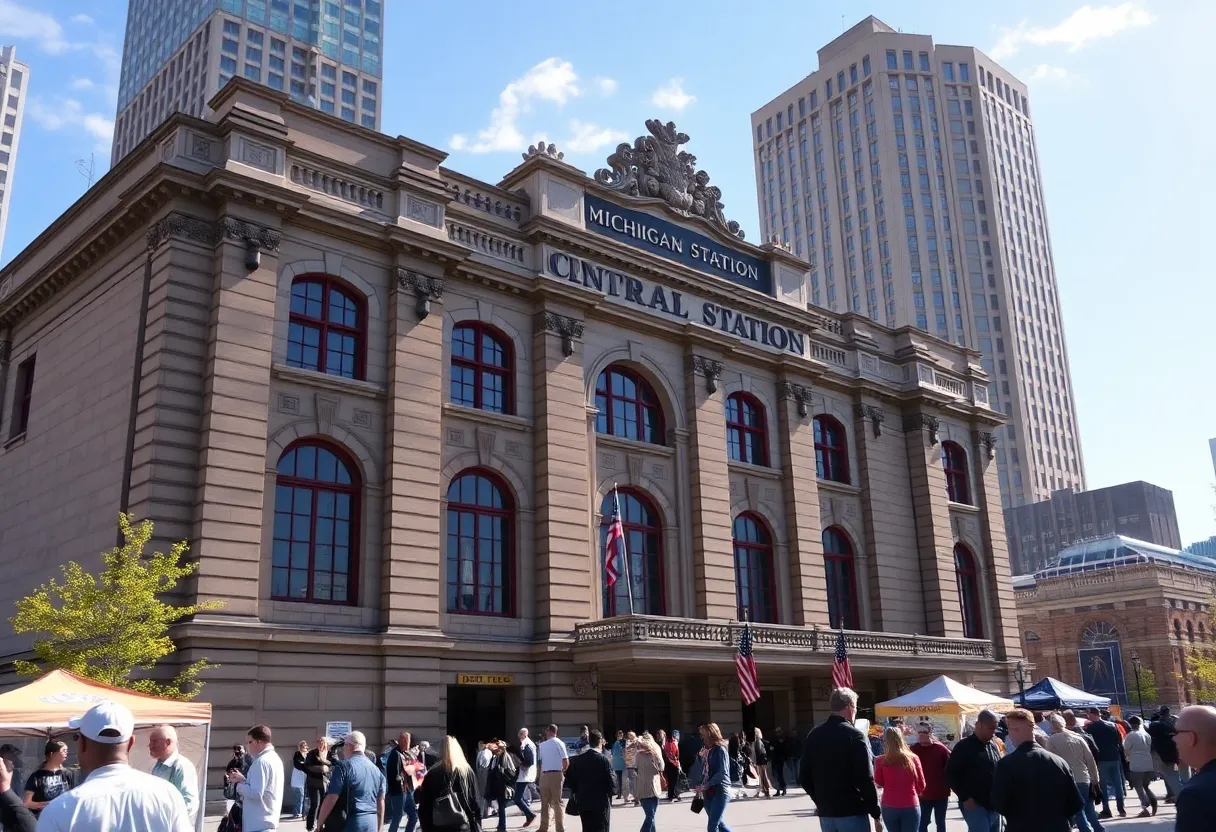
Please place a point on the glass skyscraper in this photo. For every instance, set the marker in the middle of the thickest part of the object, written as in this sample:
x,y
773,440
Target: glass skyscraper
x,y
14,81
178,53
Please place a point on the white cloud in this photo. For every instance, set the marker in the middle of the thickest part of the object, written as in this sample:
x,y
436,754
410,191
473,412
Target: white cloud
x,y
70,114
607,86
1082,27
21,23
1046,72
588,138
82,19
82,84
552,80
671,96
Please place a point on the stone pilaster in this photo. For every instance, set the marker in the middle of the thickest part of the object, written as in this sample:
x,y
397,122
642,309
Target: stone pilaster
x,y
934,537
412,588
804,525
1001,621
887,515
709,479
564,565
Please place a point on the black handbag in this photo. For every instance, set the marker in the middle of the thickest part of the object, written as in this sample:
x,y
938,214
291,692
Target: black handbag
x,y
446,812
572,805
698,803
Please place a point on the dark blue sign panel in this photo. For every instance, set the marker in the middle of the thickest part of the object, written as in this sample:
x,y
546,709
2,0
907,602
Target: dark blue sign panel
x,y
669,240
1102,671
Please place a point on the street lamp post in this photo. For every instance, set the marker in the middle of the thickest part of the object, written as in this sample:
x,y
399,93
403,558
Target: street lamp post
x,y
1135,657
1019,673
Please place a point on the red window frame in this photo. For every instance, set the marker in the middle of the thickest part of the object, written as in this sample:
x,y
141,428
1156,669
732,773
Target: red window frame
x,y
756,597
325,326
652,579
353,489
954,463
481,369
840,562
738,430
606,421
969,592
506,557
831,449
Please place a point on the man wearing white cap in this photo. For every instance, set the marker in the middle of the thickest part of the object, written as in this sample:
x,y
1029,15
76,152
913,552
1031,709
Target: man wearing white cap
x,y
114,797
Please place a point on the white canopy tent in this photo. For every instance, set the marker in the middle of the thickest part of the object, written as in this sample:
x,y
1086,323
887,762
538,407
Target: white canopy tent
x,y
945,704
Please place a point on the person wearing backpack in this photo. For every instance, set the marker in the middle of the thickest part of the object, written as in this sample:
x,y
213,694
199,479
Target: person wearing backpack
x,y
447,798
525,783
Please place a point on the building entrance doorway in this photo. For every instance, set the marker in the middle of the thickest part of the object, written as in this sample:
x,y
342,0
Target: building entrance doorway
x,y
635,710
762,713
476,714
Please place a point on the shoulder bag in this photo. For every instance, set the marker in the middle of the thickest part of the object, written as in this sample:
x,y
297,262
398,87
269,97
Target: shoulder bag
x,y
446,812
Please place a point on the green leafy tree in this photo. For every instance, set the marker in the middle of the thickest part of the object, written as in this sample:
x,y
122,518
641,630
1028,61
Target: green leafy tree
x,y
1143,691
1201,671
106,626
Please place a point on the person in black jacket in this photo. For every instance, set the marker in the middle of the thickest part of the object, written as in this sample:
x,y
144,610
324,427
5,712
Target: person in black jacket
x,y
969,774
778,755
1196,737
1109,759
453,777
592,785
14,817
317,765
837,769
1033,788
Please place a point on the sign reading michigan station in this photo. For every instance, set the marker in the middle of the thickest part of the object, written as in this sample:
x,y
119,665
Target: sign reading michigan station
x,y
388,404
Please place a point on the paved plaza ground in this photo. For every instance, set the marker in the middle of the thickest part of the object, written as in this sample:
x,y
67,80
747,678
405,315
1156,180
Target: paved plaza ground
x,y
794,813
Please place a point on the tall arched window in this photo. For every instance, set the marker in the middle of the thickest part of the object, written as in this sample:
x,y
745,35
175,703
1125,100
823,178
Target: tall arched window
x,y
480,527
316,519
954,462
482,368
831,451
326,327
628,406
746,437
968,592
644,546
755,577
841,579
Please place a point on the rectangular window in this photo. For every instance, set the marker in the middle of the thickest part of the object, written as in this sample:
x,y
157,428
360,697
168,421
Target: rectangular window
x,y
908,65
948,71
24,395
892,61
964,72
865,66
924,61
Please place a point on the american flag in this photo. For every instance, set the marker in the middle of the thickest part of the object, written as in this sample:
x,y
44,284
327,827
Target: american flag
x,y
745,664
842,674
612,547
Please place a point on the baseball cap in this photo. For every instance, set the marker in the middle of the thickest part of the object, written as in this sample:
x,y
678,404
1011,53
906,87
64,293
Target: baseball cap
x,y
106,722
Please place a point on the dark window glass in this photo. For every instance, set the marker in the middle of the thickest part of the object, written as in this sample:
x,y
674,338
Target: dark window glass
x,y
968,592
831,452
841,580
24,397
628,407
745,429
481,372
644,553
954,461
325,331
755,579
480,523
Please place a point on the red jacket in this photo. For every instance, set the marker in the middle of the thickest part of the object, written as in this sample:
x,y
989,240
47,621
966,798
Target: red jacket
x,y
933,758
671,752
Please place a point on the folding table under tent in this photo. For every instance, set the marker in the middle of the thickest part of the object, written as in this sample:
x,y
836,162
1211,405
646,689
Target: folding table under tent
x,y
1051,694
947,705
41,710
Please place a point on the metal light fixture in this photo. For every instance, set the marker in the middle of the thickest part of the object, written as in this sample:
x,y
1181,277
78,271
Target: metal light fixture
x,y
1019,673
253,256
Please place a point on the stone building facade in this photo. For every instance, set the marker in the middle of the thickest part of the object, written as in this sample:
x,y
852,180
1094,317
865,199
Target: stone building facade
x,y
1128,603
388,405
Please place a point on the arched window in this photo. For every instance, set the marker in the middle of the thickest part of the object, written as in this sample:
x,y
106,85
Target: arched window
x,y
842,579
1177,629
746,437
326,327
1190,631
755,578
954,462
968,592
316,523
480,524
831,452
644,546
628,407
482,368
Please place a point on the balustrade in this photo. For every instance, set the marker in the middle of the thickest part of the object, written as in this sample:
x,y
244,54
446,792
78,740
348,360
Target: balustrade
x,y
336,186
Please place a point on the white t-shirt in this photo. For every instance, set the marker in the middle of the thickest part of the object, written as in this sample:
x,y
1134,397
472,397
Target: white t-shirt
x,y
527,774
552,752
298,778
118,798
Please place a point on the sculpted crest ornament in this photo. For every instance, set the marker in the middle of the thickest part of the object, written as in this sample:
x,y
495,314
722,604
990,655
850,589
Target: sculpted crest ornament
x,y
655,167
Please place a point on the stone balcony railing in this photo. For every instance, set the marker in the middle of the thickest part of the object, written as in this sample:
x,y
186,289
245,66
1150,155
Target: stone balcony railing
x,y
690,633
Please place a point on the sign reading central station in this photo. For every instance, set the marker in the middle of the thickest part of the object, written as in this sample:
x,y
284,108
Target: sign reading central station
x,y
660,300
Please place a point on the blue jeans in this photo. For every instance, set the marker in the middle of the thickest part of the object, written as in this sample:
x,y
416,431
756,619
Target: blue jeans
x,y
854,823
933,809
521,799
361,823
715,808
905,819
650,805
1086,819
980,819
398,806
1111,773
297,801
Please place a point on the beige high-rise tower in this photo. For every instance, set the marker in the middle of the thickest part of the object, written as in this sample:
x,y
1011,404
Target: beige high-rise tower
x,y
907,174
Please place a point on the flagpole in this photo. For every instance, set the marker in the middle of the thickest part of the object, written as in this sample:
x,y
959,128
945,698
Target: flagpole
x,y
616,498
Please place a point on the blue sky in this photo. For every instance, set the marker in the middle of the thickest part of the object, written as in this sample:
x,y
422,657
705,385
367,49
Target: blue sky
x,y
1124,135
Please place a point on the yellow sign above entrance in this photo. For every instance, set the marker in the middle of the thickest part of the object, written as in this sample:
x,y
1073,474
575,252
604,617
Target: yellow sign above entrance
x,y
485,678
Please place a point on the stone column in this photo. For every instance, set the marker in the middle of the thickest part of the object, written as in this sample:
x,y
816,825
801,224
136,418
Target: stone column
x,y
564,566
709,480
889,521
934,537
412,587
804,525
1001,621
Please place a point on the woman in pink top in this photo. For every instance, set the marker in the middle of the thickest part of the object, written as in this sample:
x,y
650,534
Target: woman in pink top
x,y
898,773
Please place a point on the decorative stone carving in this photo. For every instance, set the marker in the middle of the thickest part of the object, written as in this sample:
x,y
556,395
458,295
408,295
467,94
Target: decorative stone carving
x,y
258,155
797,393
728,688
753,493
455,437
541,149
424,288
988,443
422,211
362,419
512,449
327,412
200,148
567,328
874,414
770,494
922,421
635,468
608,461
288,404
485,446
181,226
230,228
708,367
584,686
654,167
659,472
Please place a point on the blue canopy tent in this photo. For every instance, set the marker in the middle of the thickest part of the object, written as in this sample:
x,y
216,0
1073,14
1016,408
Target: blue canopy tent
x,y
1052,694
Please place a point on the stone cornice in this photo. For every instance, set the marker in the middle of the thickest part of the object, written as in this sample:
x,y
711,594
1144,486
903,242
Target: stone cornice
x,y
710,368
874,414
178,225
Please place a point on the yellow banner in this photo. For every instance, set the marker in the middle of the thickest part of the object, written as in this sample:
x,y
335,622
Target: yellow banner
x,y
496,679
